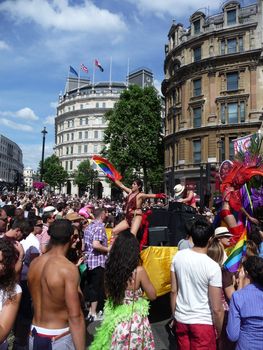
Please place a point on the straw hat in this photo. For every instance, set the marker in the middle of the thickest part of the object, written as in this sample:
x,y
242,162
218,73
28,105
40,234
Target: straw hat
x,y
222,232
178,189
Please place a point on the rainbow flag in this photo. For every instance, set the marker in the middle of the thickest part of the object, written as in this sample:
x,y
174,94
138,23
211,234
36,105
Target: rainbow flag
x,y
234,259
107,167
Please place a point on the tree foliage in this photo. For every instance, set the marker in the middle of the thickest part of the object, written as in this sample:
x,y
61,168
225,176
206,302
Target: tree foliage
x,y
133,136
53,172
85,176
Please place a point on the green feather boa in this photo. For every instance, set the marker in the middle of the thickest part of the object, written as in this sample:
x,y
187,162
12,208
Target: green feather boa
x,y
114,316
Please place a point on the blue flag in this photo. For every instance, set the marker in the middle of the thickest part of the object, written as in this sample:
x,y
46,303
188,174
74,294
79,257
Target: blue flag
x,y
72,70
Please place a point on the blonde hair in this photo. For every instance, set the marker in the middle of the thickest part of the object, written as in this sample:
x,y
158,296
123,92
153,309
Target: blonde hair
x,y
215,251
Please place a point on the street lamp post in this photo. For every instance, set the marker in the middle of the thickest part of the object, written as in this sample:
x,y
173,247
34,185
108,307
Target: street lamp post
x,y
44,132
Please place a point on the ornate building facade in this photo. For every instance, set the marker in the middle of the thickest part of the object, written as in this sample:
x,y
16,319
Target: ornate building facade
x,y
213,89
11,162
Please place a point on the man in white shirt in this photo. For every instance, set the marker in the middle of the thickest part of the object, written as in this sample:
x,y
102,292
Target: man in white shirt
x,y
196,293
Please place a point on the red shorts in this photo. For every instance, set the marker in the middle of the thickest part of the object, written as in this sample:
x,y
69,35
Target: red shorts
x,y
195,336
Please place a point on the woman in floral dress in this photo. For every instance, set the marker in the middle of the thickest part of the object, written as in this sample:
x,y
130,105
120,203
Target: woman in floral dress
x,y
125,325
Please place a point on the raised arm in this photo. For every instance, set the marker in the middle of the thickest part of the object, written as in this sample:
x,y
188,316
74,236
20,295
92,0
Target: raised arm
x,y
152,195
75,315
119,184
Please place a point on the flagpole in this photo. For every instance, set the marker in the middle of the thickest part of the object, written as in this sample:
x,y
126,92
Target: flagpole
x,y
93,76
67,85
110,71
79,79
128,72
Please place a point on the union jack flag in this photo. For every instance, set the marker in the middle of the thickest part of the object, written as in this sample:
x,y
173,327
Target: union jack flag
x,y
84,68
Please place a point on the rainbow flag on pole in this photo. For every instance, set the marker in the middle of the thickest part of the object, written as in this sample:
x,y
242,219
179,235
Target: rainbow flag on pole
x,y
235,257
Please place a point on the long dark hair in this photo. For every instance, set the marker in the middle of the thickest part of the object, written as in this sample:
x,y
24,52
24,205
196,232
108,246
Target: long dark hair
x,y
7,274
123,259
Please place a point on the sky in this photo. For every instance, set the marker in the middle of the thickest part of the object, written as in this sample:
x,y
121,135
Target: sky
x,y
39,39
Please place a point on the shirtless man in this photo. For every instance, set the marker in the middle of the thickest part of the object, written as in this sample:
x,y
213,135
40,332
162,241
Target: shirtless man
x,y
58,322
133,210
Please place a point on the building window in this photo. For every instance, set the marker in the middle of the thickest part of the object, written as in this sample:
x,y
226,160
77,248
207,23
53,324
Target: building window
x,y
95,148
80,135
85,148
96,134
232,113
197,151
79,149
66,165
232,81
71,165
97,105
242,111
231,45
67,137
87,121
231,17
231,148
197,54
197,26
67,150
104,105
241,44
71,149
197,87
222,114
80,121
72,136
197,117
81,106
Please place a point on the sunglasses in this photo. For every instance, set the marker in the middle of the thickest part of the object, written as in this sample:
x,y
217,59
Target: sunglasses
x,y
39,225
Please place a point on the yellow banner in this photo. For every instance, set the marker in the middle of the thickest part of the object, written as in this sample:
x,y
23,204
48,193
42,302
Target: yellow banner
x,y
157,262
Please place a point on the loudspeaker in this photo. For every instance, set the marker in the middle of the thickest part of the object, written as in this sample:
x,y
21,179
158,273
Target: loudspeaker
x,y
159,217
179,226
158,235
181,207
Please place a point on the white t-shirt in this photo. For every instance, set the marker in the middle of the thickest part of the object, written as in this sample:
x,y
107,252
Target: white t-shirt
x,y
195,272
31,245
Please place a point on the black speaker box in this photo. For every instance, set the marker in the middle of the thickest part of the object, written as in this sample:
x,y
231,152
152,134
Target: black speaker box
x,y
158,236
159,217
179,226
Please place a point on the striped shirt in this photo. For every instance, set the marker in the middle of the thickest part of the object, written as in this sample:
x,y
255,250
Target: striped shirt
x,y
245,319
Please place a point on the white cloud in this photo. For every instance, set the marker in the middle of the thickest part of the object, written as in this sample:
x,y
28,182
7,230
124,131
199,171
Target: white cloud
x,y
23,113
157,84
61,15
176,8
53,104
16,126
4,45
32,159
50,120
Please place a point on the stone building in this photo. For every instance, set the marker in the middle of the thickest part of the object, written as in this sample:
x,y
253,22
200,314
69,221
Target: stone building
x,y
213,89
11,162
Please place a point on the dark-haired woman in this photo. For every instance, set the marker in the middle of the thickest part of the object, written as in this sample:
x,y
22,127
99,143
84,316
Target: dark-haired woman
x,y
245,320
10,292
133,209
125,325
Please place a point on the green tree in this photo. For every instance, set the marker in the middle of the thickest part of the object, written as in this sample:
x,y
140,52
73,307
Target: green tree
x,y
53,172
85,176
133,136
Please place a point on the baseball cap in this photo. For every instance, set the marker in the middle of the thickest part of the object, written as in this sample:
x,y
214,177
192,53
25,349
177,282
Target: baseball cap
x,y
222,232
73,216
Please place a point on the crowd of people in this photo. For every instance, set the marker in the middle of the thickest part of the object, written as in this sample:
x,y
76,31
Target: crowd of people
x,y
59,271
